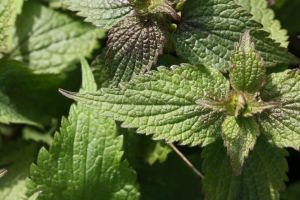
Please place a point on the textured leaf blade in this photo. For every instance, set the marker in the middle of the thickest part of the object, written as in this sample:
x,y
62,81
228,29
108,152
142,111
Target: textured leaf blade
x,y
163,6
85,159
26,97
247,72
282,124
265,165
103,13
5,14
239,136
220,182
261,13
51,41
163,103
134,45
208,30
262,177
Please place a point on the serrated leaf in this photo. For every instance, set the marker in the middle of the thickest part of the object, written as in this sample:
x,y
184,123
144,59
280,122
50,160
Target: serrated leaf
x,y
16,157
163,103
163,6
26,97
103,13
85,159
134,45
247,72
282,124
262,177
239,135
208,30
5,15
220,182
264,171
51,41
264,15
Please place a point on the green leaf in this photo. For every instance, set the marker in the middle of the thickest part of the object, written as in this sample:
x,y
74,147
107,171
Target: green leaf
x,y
163,6
144,148
264,171
5,15
16,157
163,103
264,15
51,41
85,159
26,97
134,45
208,30
247,72
292,192
239,135
262,177
103,13
282,124
220,182
99,71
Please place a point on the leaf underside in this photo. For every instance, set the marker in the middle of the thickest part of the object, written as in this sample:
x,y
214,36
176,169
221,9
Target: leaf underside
x,y
85,159
282,124
134,45
208,30
163,103
102,13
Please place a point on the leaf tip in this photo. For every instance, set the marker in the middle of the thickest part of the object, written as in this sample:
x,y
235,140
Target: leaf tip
x,y
67,93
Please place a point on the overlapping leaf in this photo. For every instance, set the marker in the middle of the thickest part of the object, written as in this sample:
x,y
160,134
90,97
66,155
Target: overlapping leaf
x,y
49,40
261,13
134,45
5,14
103,13
262,177
163,6
239,136
26,97
163,103
84,161
247,72
208,30
282,124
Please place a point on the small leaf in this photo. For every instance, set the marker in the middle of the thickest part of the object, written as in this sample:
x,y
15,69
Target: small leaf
x,y
85,159
2,172
5,15
134,45
103,13
239,135
163,103
51,41
209,28
247,72
282,124
264,15
163,6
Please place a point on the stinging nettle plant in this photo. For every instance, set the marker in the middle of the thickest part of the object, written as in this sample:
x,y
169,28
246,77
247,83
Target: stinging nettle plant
x,y
196,73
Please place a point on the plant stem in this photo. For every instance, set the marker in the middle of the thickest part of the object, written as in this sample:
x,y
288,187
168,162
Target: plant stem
x,y
186,160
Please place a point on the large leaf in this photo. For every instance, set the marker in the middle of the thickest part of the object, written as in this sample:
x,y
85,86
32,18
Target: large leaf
x,y
264,15
208,30
16,157
85,159
50,41
262,177
134,45
247,72
26,97
103,13
239,135
282,124
163,103
5,14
